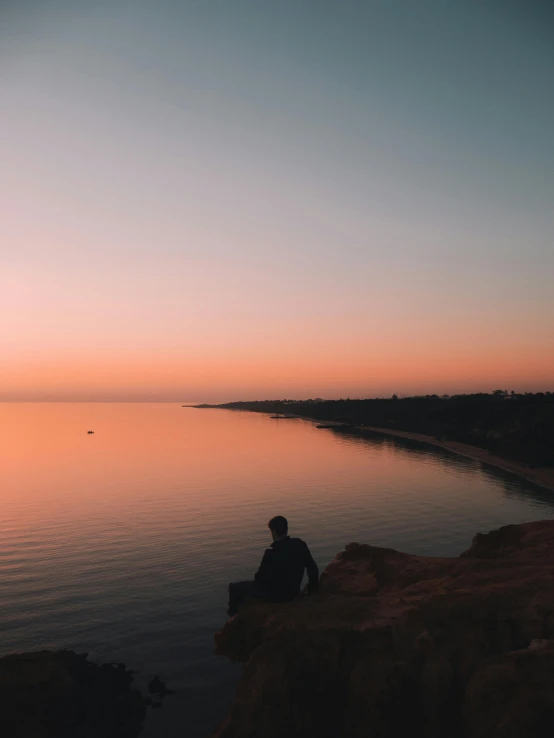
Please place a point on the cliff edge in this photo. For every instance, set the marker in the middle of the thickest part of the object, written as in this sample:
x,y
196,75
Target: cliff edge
x,y
395,645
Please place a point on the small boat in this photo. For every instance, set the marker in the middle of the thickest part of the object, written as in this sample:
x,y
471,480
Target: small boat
x,y
89,432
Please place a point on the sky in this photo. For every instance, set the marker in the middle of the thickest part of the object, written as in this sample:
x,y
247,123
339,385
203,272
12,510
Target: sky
x,y
212,200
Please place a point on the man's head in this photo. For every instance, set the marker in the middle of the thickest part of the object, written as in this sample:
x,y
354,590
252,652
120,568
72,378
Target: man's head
x,y
279,527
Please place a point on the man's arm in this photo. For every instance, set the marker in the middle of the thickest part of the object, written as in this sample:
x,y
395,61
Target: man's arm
x,y
312,570
263,576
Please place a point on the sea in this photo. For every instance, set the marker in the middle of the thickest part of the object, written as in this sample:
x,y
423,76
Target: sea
x,y
121,543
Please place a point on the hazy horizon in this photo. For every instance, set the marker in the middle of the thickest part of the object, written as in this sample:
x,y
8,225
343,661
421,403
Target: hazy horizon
x,y
223,201
156,399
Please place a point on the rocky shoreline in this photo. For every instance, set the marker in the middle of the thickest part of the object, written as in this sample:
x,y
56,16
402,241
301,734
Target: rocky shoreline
x,y
392,645
61,694
395,645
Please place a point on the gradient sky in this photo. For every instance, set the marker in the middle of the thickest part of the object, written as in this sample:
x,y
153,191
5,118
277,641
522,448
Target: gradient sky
x,y
234,199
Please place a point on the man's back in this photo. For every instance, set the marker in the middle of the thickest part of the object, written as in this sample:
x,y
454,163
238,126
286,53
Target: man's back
x,y
282,568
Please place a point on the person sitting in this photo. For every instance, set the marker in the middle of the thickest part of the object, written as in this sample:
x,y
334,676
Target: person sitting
x,y
280,574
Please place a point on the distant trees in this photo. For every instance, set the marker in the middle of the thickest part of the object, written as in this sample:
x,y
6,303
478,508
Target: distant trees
x,y
521,429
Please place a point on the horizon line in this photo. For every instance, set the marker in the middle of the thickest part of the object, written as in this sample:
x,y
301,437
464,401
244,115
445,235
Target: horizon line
x,y
191,403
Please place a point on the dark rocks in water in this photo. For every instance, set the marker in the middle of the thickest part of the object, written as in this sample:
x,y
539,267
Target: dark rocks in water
x,y
60,694
157,687
395,645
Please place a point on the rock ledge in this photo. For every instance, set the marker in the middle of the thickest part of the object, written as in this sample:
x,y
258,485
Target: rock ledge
x,y
395,645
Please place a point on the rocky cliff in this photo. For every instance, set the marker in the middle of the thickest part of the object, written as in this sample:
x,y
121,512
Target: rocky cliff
x,y
395,645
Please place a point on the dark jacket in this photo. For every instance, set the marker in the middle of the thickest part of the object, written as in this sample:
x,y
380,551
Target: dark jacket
x,y
282,568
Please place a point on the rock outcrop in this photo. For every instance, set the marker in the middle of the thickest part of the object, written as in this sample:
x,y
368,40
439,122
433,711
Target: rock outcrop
x,y
60,694
395,645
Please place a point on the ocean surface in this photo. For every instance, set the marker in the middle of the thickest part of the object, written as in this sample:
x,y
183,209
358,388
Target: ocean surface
x,y
122,543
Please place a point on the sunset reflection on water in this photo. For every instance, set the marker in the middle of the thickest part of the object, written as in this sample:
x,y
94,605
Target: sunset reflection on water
x,y
122,542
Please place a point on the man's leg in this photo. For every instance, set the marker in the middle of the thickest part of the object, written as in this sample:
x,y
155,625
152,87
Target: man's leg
x,y
239,591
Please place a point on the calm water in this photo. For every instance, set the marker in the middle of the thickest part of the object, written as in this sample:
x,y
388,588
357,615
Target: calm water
x,y
122,543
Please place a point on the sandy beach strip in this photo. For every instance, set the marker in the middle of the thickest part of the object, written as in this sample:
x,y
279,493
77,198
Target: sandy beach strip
x,y
542,476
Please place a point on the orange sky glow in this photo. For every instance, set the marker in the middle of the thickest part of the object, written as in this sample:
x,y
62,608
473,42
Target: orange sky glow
x,y
201,205
296,374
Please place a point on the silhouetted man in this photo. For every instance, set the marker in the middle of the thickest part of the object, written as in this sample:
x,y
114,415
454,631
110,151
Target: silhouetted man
x,y
280,574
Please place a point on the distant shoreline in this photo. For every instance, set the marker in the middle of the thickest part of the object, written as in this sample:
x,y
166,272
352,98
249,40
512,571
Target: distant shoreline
x,y
541,476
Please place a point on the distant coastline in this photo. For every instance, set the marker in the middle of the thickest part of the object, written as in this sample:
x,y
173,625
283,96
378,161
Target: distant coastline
x,y
542,476
514,433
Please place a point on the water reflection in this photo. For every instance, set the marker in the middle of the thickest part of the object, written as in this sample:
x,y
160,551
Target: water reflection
x,y
514,486
121,543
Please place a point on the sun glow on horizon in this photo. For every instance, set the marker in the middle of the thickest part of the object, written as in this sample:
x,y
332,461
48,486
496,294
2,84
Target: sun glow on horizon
x,y
210,205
